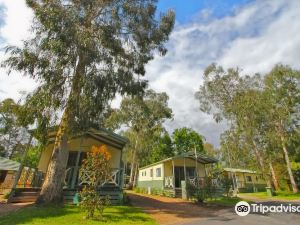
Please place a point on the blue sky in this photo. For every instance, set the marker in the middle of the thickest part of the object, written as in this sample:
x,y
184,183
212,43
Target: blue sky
x,y
186,10
253,35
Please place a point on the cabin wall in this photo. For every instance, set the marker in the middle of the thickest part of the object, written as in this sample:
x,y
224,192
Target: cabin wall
x,y
249,181
145,179
84,144
180,163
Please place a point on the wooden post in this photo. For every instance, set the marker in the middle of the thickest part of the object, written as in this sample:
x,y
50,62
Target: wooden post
x,y
19,172
173,169
121,171
184,169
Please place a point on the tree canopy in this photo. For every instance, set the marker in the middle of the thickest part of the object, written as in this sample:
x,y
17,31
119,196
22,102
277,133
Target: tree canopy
x,y
82,53
186,140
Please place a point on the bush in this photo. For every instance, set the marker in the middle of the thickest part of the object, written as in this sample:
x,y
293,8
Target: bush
x,y
91,201
94,171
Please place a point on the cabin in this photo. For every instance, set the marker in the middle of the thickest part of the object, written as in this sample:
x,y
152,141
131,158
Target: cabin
x,y
8,169
78,146
168,174
244,181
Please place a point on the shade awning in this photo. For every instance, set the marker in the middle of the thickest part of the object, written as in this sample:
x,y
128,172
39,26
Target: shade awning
x,y
8,165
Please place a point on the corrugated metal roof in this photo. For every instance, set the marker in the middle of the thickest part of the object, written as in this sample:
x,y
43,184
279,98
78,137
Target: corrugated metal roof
x,y
235,170
201,158
7,164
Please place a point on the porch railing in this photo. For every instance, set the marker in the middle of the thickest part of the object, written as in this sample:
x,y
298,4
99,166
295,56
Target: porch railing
x,y
169,183
72,179
30,177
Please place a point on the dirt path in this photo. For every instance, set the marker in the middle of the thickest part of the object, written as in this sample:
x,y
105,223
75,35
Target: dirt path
x,y
172,210
12,207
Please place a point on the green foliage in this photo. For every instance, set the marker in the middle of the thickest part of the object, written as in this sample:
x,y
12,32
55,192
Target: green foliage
x,y
84,52
91,202
94,171
186,140
140,190
143,119
155,191
162,149
263,113
32,157
13,131
227,184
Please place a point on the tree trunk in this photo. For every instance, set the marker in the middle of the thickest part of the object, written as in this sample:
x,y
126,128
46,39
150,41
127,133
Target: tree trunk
x,y
52,188
274,177
133,163
261,164
136,171
53,185
288,165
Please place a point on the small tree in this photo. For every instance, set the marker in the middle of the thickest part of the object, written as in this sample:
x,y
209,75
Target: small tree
x,y
94,171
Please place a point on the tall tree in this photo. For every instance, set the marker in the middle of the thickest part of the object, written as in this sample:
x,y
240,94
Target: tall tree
x,y
12,131
143,119
162,148
283,92
82,54
186,140
261,111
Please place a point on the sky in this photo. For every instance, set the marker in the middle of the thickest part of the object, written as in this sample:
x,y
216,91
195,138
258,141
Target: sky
x,y
251,35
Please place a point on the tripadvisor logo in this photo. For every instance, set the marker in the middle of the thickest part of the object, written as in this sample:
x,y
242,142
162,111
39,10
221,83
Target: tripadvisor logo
x,y
242,208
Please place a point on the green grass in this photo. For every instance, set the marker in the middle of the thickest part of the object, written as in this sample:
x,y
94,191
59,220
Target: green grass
x,y
228,201
70,215
278,196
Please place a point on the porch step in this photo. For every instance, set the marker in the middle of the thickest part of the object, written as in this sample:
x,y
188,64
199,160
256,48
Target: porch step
x,y
178,193
115,195
23,195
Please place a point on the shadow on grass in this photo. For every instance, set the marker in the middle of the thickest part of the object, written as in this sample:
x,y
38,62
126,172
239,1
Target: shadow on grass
x,y
122,213
28,214
69,214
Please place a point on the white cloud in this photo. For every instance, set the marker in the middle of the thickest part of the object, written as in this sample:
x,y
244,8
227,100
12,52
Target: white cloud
x,y
253,37
17,28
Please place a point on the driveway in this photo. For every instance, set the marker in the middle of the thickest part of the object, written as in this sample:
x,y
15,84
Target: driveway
x,y
173,211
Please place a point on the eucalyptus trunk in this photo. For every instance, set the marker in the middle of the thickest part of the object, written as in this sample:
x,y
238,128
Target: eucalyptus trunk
x,y
261,164
136,171
274,177
288,165
133,163
52,189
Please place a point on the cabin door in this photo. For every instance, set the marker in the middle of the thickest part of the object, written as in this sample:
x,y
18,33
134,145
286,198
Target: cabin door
x,y
73,166
179,176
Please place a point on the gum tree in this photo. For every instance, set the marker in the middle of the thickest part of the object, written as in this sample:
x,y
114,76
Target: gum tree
x,y
82,53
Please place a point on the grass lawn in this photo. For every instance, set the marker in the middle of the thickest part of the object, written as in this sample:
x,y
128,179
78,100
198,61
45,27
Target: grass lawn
x,y
70,215
228,201
279,196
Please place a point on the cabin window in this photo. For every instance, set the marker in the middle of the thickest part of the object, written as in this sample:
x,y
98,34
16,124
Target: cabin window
x,y
151,173
248,178
158,172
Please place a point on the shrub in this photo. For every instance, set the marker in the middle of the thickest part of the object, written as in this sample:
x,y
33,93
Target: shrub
x,y
94,171
92,201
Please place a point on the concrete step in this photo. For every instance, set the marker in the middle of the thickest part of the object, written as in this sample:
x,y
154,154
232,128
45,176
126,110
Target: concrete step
x,y
23,199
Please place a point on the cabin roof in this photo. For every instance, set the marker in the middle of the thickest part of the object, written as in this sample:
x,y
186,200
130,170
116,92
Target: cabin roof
x,y
103,135
236,170
8,165
201,158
